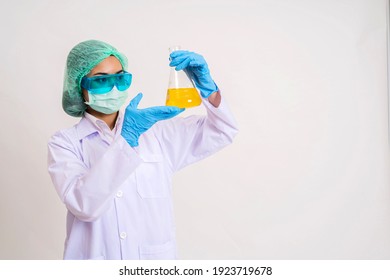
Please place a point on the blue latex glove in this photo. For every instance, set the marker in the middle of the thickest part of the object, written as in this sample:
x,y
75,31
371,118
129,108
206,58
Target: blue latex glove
x,y
196,68
137,121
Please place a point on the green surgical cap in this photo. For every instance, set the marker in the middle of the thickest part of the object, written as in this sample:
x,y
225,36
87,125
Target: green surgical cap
x,y
81,60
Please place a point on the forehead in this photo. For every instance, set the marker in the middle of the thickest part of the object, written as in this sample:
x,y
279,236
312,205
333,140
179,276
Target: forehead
x,y
109,65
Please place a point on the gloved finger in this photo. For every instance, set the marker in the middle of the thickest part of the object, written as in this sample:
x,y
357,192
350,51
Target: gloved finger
x,y
135,101
197,60
163,112
179,59
175,54
182,55
183,64
170,112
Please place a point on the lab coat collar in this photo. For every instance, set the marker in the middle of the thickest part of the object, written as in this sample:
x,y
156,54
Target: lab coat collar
x,y
86,127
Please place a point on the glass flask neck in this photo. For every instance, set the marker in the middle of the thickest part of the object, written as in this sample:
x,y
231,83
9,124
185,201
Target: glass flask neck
x,y
174,48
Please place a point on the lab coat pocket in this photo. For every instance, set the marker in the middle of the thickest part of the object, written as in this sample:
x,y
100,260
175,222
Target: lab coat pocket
x,y
151,177
166,251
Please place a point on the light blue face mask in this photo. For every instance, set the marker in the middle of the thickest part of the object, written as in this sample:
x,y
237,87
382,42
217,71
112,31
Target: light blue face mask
x,y
107,103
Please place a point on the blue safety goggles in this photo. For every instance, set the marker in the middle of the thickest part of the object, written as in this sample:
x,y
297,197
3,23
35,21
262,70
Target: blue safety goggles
x,y
104,83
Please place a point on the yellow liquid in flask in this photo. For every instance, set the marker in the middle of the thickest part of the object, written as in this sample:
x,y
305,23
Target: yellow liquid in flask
x,y
183,97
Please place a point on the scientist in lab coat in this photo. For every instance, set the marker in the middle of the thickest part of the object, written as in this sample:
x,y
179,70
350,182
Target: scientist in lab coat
x,y
113,170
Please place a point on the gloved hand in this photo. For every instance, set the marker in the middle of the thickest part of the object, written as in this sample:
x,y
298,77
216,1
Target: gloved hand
x,y
196,67
137,121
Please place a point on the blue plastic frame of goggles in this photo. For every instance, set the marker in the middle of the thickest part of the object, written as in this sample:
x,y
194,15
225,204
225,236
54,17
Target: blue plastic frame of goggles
x,y
105,83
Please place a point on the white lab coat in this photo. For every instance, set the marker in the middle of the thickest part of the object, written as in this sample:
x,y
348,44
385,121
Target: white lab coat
x,y
119,198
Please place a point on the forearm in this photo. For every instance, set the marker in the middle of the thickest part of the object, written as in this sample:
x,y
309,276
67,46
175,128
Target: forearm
x,y
215,99
193,138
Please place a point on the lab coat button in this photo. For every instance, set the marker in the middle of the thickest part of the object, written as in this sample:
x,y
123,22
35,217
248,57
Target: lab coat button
x,y
123,235
119,194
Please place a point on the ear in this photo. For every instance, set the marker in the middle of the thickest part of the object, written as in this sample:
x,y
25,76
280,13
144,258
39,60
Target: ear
x,y
85,95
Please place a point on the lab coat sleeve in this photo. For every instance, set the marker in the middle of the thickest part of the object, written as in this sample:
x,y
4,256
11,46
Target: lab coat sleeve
x,y
87,191
190,139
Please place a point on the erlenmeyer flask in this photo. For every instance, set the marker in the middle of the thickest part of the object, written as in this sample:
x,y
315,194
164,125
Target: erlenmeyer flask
x,y
181,90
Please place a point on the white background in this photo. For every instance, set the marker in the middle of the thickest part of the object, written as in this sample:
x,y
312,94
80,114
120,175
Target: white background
x,y
307,176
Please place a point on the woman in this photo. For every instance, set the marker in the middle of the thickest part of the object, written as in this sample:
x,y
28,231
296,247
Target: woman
x,y
113,171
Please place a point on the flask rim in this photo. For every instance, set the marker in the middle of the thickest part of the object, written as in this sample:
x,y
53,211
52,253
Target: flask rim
x,y
174,48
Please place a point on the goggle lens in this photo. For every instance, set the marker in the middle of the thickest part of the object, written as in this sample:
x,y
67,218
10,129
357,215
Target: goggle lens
x,y
105,83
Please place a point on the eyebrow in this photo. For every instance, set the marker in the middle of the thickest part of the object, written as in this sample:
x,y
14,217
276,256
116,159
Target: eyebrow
x,y
103,73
